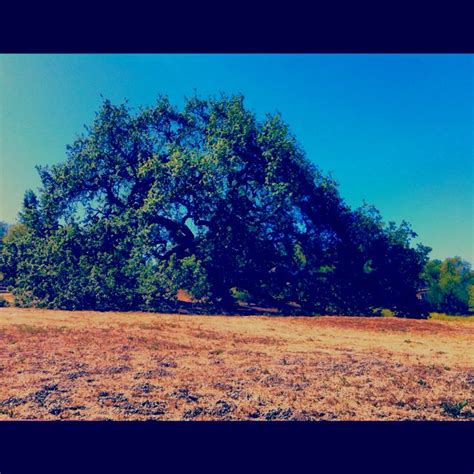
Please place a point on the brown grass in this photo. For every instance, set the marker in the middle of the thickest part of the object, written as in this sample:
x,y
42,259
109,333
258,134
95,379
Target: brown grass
x,y
121,366
8,297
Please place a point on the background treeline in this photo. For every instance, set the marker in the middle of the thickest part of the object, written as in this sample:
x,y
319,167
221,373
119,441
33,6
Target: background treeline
x,y
450,286
213,201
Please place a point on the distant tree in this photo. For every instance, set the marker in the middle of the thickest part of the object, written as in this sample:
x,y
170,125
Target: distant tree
x,y
210,200
9,253
450,285
3,229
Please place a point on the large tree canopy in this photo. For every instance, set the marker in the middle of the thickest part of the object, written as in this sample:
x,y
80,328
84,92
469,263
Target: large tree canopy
x,y
208,199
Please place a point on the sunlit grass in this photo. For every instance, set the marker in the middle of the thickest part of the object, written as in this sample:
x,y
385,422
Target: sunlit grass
x,y
447,317
387,313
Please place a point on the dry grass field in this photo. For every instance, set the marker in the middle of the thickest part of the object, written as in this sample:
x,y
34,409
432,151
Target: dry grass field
x,y
136,366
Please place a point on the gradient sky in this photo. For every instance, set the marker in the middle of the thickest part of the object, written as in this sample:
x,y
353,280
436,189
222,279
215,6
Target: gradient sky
x,y
394,130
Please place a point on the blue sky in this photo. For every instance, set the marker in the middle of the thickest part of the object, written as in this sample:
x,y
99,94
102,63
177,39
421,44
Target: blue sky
x,y
394,130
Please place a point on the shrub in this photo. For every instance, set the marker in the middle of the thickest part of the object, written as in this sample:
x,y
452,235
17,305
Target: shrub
x,y
454,409
241,295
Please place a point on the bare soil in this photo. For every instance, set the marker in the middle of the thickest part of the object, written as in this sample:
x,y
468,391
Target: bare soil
x,y
135,366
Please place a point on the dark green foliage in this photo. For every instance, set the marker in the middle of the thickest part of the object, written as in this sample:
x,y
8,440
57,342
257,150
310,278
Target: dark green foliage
x,y
210,200
454,409
3,229
450,285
